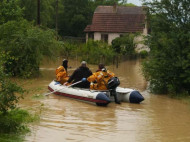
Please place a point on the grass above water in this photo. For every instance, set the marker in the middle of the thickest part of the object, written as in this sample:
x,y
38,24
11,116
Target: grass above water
x,y
14,125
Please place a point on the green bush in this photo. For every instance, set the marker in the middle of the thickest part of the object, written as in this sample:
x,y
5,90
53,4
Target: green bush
x,y
9,10
168,66
15,121
68,49
26,45
8,90
12,119
95,52
143,54
124,45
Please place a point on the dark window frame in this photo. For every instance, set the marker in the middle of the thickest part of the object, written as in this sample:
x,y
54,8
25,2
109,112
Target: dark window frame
x,y
104,37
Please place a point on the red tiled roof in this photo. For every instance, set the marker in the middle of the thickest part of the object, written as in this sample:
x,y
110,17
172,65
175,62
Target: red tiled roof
x,y
122,19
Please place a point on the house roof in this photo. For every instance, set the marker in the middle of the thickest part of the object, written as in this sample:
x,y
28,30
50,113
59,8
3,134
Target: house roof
x,y
117,19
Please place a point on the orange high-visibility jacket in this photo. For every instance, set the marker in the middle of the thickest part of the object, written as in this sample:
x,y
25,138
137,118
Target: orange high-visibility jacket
x,y
101,80
61,74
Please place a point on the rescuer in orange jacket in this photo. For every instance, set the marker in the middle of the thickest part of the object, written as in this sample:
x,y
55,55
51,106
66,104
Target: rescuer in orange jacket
x,y
99,79
61,72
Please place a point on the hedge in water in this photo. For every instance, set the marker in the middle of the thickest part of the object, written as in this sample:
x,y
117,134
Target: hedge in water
x,y
95,52
124,45
8,90
168,68
12,119
26,45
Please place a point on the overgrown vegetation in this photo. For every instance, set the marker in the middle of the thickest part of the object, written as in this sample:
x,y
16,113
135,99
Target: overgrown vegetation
x,y
12,119
143,54
124,45
96,51
168,68
24,43
77,13
8,90
93,52
17,36
19,33
15,120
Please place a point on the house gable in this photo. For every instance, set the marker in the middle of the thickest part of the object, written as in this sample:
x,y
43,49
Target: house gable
x,y
117,19
110,22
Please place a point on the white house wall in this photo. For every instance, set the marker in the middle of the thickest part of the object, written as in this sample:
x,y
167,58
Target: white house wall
x,y
139,40
112,36
97,36
86,37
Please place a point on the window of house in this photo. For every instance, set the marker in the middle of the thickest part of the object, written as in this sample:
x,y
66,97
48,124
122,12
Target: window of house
x,y
121,35
104,37
91,35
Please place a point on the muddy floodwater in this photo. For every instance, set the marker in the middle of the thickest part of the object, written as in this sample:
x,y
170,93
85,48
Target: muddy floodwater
x,y
157,119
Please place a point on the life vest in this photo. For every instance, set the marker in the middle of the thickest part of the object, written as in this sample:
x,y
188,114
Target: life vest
x,y
99,80
61,74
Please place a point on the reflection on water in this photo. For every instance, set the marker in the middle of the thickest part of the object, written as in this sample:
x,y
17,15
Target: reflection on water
x,y
157,119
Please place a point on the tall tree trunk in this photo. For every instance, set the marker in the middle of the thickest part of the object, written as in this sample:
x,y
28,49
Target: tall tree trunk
x,y
117,61
38,12
56,17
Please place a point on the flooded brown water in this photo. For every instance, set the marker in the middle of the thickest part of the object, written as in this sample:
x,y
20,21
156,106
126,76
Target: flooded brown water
x,y
157,119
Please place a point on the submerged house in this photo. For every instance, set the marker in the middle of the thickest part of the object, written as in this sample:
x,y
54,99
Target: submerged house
x,y
110,22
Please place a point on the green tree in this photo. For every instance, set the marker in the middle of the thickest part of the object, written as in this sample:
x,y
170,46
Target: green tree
x,y
9,10
26,46
124,45
47,11
95,52
108,2
12,119
128,4
75,17
168,66
8,90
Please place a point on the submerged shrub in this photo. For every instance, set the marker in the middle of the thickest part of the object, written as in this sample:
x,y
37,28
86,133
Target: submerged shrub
x,y
15,121
8,90
124,45
168,66
12,119
95,52
26,45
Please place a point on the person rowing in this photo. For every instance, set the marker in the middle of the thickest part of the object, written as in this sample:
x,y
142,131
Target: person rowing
x,y
82,72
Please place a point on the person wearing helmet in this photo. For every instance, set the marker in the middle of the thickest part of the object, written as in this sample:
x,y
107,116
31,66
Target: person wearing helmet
x,y
100,67
99,80
61,72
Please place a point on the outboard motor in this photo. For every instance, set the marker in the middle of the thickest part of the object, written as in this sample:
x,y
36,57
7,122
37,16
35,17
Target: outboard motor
x,y
112,85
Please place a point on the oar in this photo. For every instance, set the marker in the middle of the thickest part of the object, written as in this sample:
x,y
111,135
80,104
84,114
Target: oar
x,y
64,88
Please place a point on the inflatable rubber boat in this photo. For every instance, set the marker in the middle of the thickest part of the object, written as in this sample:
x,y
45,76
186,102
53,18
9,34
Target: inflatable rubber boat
x,y
100,98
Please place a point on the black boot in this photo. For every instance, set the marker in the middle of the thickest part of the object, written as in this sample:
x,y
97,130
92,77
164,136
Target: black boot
x,y
114,93
116,100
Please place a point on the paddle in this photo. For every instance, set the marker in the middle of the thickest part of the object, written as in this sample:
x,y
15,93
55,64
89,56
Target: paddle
x,y
83,79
